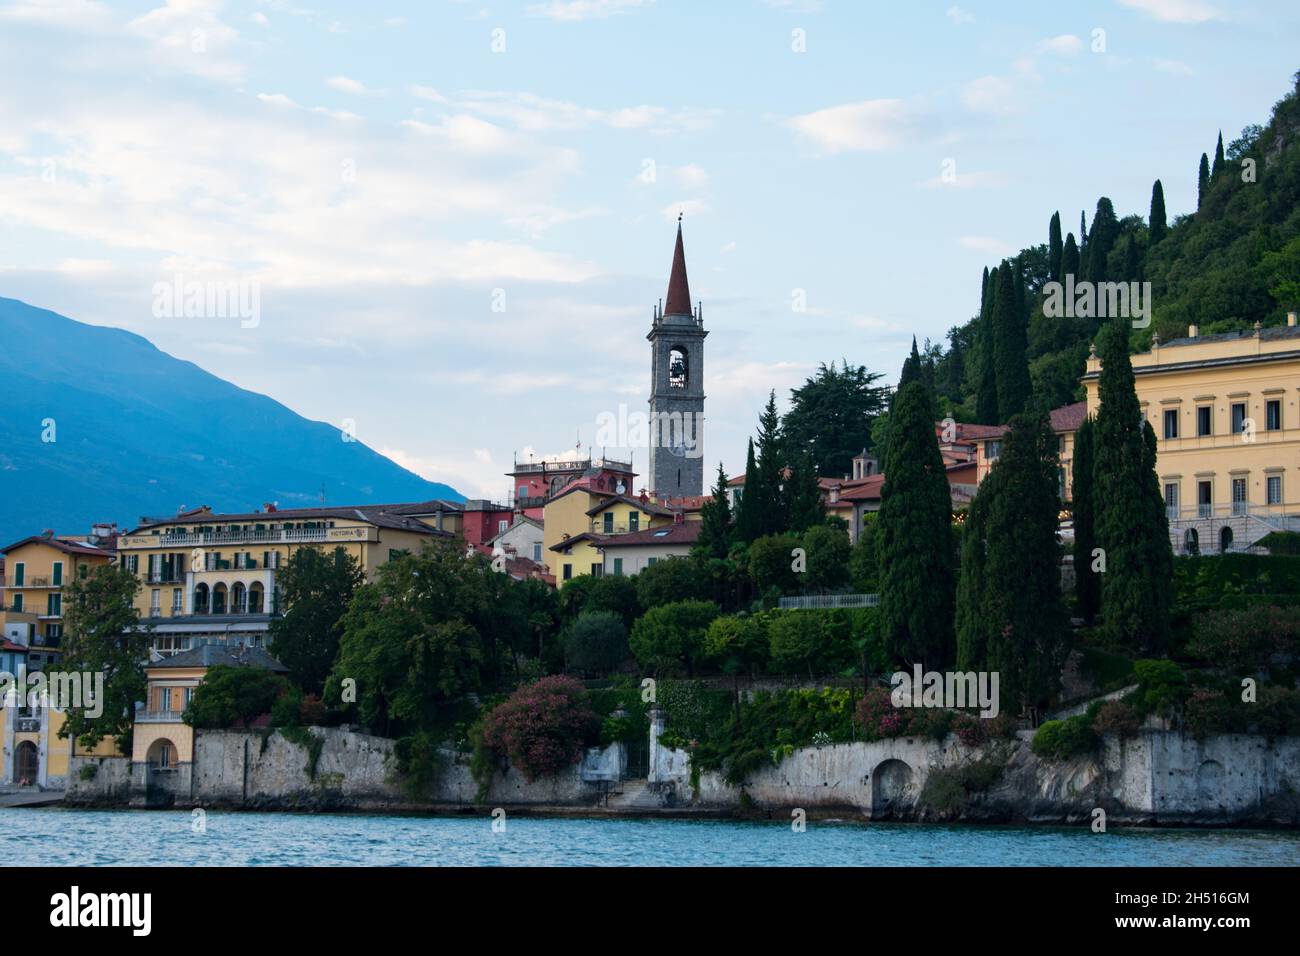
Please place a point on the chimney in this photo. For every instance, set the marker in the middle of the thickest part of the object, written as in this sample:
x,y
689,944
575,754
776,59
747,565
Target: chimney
x,y
1191,331
1290,319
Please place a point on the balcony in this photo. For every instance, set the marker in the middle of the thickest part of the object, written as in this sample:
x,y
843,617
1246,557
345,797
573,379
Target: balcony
x,y
33,581
158,716
165,577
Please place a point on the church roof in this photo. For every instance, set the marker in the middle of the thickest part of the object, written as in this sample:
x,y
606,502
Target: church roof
x,y
679,290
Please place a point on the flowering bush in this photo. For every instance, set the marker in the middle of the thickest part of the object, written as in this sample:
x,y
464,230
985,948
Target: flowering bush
x,y
1117,717
1246,637
542,727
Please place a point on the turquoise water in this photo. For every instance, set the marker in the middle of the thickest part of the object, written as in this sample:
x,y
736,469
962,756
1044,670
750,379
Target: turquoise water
x,y
56,836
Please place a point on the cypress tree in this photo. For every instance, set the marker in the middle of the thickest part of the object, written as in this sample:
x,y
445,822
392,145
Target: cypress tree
x,y
803,495
715,520
1130,530
986,392
1054,248
911,367
1070,259
1018,276
1105,231
1083,237
1218,158
1202,180
1024,618
1132,259
749,513
971,620
1087,583
915,521
1010,344
1158,225
771,465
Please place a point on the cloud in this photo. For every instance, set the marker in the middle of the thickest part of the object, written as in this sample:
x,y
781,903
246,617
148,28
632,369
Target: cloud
x,y
346,85
958,16
1175,11
188,36
576,10
537,114
1067,44
76,15
868,126
991,94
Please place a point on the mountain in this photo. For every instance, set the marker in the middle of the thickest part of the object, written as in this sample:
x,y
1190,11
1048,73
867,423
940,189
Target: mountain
x,y
138,432
1233,262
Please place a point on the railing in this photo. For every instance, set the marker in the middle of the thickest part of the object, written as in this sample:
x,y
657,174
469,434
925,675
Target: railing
x,y
599,527
194,538
165,577
1274,514
32,581
819,602
571,465
158,716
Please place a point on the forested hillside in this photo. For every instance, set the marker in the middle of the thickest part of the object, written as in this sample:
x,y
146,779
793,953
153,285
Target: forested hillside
x,y
1233,262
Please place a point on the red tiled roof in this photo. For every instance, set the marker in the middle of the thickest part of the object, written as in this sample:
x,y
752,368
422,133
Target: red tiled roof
x,y
686,532
8,645
1068,418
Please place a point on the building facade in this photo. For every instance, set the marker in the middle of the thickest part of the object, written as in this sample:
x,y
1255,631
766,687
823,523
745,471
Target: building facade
x,y
1226,413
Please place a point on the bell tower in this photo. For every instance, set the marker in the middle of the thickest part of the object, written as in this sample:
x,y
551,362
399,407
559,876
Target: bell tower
x,y
677,387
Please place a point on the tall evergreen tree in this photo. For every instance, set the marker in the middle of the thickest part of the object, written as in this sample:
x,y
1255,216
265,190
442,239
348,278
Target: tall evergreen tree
x,y
986,392
1010,361
1131,532
1202,180
1018,617
1105,231
911,367
972,622
771,466
1070,259
749,513
1087,582
1054,248
803,499
1218,158
1158,224
715,520
832,415
1083,236
917,587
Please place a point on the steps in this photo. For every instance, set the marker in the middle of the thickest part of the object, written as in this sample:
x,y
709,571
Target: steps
x,y
636,795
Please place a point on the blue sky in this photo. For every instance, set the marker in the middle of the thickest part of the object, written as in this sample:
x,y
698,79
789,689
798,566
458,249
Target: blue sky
x,y
385,176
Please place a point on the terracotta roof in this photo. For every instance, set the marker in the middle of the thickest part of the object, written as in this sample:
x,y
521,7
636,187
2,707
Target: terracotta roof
x,y
575,539
580,485
678,301
968,431
685,533
59,544
1068,418
8,645
868,489
685,502
209,655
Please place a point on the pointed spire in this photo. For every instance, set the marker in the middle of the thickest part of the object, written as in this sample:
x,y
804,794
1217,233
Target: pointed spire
x,y
679,290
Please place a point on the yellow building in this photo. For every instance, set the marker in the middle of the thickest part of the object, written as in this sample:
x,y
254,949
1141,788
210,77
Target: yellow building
x,y
1226,413
37,569
162,743
1065,421
578,521
212,578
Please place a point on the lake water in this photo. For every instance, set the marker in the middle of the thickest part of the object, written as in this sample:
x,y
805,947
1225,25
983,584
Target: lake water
x,y
56,836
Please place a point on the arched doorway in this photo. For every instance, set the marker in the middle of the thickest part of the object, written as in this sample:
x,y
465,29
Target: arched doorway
x,y
219,599
891,782
201,599
161,756
27,764
255,601
238,599
1191,542
1225,539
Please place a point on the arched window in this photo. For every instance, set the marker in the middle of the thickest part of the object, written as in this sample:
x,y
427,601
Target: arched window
x,y
255,598
201,599
238,599
678,368
1191,542
219,599
1225,539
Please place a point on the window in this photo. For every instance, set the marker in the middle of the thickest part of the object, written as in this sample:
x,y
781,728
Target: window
x,y
1273,486
992,449
1204,421
537,552
18,602
1238,417
597,570
155,603
1273,415
58,573
568,572
1204,499
649,562
1171,500
618,567
1239,505
502,526
1171,423
54,605
176,600
609,522
634,521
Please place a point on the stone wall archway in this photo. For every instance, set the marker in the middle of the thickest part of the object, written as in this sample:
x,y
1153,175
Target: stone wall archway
x,y
891,787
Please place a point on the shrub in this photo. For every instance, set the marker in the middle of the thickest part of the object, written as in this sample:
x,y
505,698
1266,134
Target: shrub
x,y
671,637
543,727
1063,739
1162,687
1281,542
770,560
596,642
667,582
797,641
970,729
948,790
1118,718
1245,638
738,644
235,695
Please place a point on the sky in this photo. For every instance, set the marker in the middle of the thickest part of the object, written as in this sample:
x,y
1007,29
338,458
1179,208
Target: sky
x,y
457,217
